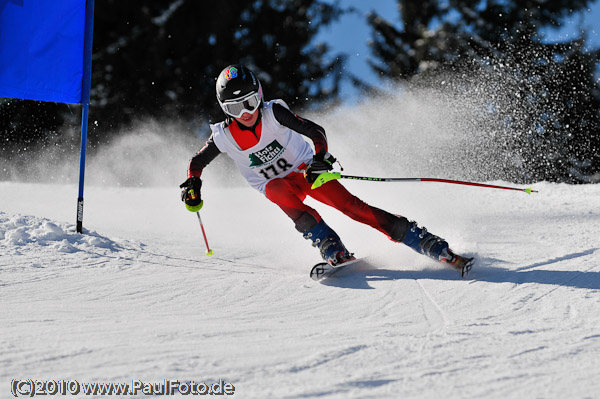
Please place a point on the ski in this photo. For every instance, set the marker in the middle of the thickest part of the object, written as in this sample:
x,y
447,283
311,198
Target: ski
x,y
323,270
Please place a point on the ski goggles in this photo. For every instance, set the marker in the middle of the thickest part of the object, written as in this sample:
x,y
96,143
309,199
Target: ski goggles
x,y
238,107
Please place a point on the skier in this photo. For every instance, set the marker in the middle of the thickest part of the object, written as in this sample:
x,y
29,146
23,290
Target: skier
x,y
266,142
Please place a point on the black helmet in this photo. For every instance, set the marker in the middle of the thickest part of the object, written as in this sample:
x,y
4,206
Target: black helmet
x,y
238,90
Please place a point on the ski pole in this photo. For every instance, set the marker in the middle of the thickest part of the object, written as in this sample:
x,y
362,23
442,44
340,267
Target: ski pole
x,y
328,176
209,251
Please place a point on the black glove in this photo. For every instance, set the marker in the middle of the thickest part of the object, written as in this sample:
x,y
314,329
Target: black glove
x,y
322,162
190,193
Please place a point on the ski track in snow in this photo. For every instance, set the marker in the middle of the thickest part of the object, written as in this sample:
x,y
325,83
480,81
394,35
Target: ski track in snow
x,y
135,297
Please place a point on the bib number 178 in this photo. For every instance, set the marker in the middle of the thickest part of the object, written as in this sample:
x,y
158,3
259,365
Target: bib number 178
x,y
271,171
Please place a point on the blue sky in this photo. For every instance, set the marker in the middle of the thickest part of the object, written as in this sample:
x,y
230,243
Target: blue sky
x,y
351,34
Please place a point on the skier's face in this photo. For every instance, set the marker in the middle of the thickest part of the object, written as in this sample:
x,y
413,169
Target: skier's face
x,y
248,119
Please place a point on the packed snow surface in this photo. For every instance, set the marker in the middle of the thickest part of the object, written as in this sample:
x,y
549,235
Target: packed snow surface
x,y
136,298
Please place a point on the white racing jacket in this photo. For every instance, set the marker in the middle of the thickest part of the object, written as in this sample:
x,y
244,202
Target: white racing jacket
x,y
279,151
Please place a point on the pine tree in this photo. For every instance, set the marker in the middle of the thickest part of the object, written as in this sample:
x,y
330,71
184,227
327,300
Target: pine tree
x,y
167,58
553,115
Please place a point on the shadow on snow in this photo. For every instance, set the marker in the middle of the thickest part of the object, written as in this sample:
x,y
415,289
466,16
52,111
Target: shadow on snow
x,y
360,277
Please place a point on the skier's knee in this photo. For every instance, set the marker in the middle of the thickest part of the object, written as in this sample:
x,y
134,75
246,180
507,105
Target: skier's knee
x,y
398,227
305,222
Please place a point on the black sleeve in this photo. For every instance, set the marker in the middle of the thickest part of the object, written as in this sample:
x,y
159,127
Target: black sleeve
x,y
203,158
303,126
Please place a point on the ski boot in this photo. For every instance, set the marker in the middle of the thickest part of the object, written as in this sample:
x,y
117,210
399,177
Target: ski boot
x,y
436,248
329,244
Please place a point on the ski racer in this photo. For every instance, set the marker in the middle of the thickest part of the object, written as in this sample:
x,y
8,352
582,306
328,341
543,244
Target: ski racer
x,y
267,143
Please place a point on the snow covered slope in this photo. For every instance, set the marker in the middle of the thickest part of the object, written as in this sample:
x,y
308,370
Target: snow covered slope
x,y
136,298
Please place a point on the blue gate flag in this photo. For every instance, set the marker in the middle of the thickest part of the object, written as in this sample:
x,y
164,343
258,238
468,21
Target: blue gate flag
x,y
46,55
42,49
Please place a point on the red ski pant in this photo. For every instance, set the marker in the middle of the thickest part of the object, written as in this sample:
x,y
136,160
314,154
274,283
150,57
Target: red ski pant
x,y
289,193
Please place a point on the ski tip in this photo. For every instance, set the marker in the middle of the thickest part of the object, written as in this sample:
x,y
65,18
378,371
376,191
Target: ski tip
x,y
319,271
467,267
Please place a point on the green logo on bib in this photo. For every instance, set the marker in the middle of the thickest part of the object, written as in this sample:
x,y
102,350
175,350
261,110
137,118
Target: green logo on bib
x,y
266,155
